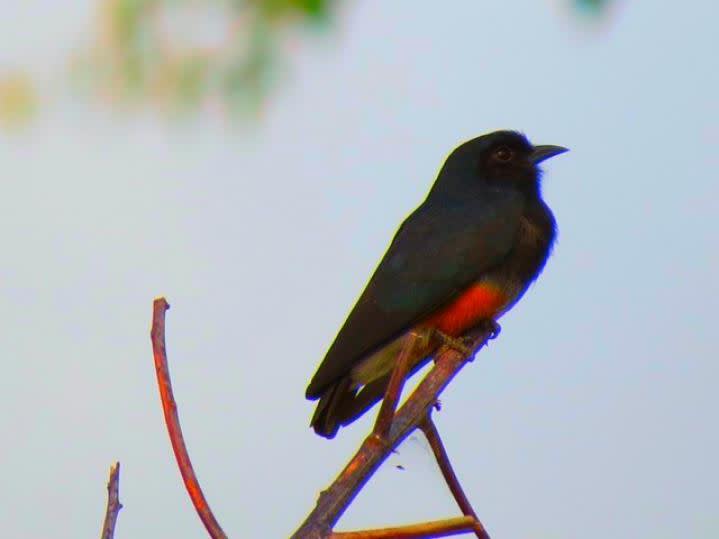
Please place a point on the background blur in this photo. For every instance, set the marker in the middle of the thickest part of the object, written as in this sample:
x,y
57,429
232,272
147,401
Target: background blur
x,y
251,161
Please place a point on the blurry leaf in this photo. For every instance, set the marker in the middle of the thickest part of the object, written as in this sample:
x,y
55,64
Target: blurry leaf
x,y
316,9
18,100
191,80
591,7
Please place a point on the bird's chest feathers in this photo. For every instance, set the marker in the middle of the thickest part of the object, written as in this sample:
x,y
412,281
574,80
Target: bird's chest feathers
x,y
481,301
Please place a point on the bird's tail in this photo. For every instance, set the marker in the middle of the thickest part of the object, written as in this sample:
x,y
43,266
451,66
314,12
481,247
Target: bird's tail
x,y
326,419
341,404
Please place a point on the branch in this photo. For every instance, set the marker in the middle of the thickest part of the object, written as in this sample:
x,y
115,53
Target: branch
x,y
435,528
385,416
333,502
172,420
113,502
440,453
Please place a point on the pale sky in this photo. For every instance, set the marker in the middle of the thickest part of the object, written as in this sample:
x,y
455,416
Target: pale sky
x,y
594,413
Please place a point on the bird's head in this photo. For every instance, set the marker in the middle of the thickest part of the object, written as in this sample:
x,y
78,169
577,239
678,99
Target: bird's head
x,y
501,158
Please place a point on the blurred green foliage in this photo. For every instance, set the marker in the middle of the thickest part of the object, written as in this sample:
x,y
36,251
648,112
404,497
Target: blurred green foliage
x,y
190,55
183,54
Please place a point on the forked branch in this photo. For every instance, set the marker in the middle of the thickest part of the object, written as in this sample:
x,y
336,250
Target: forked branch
x,y
333,502
391,431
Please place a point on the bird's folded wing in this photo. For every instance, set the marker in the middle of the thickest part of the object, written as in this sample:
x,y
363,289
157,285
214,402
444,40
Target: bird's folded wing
x,y
438,251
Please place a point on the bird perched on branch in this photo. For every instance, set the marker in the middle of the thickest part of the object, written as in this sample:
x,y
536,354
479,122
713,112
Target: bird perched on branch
x,y
463,258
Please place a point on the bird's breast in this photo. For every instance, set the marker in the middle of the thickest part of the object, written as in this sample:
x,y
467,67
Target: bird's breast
x,y
480,301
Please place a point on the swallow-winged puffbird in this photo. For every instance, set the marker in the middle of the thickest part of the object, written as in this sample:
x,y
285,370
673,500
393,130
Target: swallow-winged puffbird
x,y
462,258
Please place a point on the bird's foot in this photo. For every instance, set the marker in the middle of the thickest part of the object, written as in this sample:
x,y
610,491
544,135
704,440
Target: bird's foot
x,y
493,327
458,344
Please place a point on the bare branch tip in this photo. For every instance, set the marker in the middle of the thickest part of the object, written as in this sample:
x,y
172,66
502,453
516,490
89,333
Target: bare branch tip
x,y
161,303
113,502
114,472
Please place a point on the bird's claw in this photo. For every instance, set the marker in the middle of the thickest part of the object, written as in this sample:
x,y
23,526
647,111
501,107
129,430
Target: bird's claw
x,y
494,329
466,345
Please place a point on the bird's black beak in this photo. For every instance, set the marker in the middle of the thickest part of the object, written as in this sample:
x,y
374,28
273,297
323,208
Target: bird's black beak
x,y
541,153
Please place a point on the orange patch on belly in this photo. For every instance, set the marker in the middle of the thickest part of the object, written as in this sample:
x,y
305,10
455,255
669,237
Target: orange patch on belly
x,y
479,302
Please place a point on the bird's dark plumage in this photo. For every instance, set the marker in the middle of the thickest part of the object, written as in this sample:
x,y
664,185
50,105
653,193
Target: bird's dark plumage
x,y
482,232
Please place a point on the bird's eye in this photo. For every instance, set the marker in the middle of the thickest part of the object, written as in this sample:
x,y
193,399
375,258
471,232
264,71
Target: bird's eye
x,y
503,154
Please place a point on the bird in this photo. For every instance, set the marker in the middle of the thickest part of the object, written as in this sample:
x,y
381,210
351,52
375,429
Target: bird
x,y
463,258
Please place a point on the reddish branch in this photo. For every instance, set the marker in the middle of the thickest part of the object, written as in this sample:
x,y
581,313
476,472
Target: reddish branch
x,y
385,416
113,502
333,502
436,528
173,422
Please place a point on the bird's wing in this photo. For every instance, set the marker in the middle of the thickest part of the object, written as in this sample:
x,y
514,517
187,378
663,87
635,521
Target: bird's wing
x,y
438,251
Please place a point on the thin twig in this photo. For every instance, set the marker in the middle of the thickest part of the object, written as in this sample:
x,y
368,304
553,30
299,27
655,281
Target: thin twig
x,y
333,502
172,420
445,466
394,387
113,503
435,528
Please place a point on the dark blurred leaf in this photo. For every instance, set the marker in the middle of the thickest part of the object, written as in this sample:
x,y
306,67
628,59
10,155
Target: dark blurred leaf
x,y
591,7
315,8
